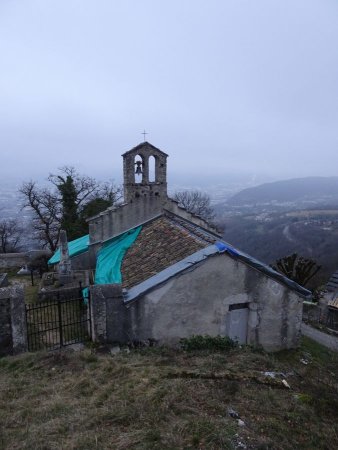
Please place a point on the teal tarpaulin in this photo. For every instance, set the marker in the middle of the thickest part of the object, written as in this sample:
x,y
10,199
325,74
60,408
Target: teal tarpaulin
x,y
75,247
109,258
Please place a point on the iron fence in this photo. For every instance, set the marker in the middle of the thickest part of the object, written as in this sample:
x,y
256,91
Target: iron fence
x,y
53,324
326,317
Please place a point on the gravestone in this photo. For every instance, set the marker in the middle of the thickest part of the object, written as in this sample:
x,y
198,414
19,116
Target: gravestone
x,y
65,266
3,280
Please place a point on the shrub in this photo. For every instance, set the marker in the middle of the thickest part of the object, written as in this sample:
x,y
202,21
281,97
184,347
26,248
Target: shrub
x,y
199,342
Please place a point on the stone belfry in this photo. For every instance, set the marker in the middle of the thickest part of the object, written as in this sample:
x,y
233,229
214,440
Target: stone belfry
x,y
145,173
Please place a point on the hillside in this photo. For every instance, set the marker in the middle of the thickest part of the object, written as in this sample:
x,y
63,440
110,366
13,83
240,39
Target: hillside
x,y
293,190
268,236
273,220
160,398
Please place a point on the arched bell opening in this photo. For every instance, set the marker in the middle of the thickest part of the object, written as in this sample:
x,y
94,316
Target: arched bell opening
x,y
152,169
139,169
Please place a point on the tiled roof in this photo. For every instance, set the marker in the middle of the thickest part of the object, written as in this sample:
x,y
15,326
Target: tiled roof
x,y
164,247
161,243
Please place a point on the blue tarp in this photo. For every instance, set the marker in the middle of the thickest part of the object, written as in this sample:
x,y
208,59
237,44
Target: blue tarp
x,y
223,247
109,258
75,247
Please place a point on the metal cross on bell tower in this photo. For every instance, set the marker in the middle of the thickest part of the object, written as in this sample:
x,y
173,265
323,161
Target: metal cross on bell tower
x,y
144,135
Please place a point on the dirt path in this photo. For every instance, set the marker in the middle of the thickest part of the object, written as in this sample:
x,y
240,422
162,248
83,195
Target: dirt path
x,y
330,342
288,235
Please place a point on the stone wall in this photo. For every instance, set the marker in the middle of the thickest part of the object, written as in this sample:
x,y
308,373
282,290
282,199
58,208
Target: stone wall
x,y
146,188
13,333
13,260
114,221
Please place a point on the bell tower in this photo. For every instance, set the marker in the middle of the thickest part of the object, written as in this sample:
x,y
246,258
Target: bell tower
x,y
144,173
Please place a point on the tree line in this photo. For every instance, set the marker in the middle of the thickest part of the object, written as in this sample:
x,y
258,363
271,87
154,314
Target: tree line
x,y
65,203
71,198
68,201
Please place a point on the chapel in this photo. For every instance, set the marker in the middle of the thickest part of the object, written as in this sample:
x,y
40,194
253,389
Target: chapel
x,y
162,273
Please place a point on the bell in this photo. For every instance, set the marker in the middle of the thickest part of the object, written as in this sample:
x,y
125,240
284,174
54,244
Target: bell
x,y
138,170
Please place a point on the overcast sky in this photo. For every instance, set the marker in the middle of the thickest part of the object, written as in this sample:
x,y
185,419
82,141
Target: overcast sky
x,y
247,86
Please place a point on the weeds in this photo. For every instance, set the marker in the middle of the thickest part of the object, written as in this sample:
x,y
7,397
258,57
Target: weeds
x,y
210,343
89,400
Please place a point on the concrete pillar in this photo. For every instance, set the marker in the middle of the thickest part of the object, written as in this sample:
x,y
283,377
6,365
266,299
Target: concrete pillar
x,y
13,328
107,312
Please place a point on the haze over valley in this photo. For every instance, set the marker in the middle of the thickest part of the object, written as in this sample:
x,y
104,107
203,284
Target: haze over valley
x,y
239,94
268,221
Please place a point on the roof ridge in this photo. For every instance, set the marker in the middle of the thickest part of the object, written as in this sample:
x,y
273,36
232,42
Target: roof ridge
x,y
188,223
144,144
193,215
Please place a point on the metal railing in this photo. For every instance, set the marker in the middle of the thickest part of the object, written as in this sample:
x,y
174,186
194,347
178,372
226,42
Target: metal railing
x,y
327,317
53,324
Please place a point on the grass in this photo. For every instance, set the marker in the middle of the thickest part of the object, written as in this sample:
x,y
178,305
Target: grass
x,y
159,398
31,292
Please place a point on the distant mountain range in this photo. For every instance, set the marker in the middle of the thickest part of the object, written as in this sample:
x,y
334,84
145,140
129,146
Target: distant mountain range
x,y
293,190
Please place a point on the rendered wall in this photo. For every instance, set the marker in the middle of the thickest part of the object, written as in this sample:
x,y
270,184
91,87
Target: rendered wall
x,y
114,221
197,302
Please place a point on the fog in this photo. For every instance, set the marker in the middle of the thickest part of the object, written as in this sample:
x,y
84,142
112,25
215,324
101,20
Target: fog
x,y
224,87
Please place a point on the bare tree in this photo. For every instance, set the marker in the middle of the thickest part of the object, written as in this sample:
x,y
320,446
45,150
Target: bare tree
x,y
46,209
61,205
111,192
196,202
10,235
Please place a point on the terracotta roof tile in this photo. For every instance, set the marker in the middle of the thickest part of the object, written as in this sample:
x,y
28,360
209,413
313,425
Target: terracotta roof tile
x,y
161,243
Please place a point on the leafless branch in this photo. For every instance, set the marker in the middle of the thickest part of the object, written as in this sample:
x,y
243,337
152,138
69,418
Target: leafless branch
x,y
196,202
